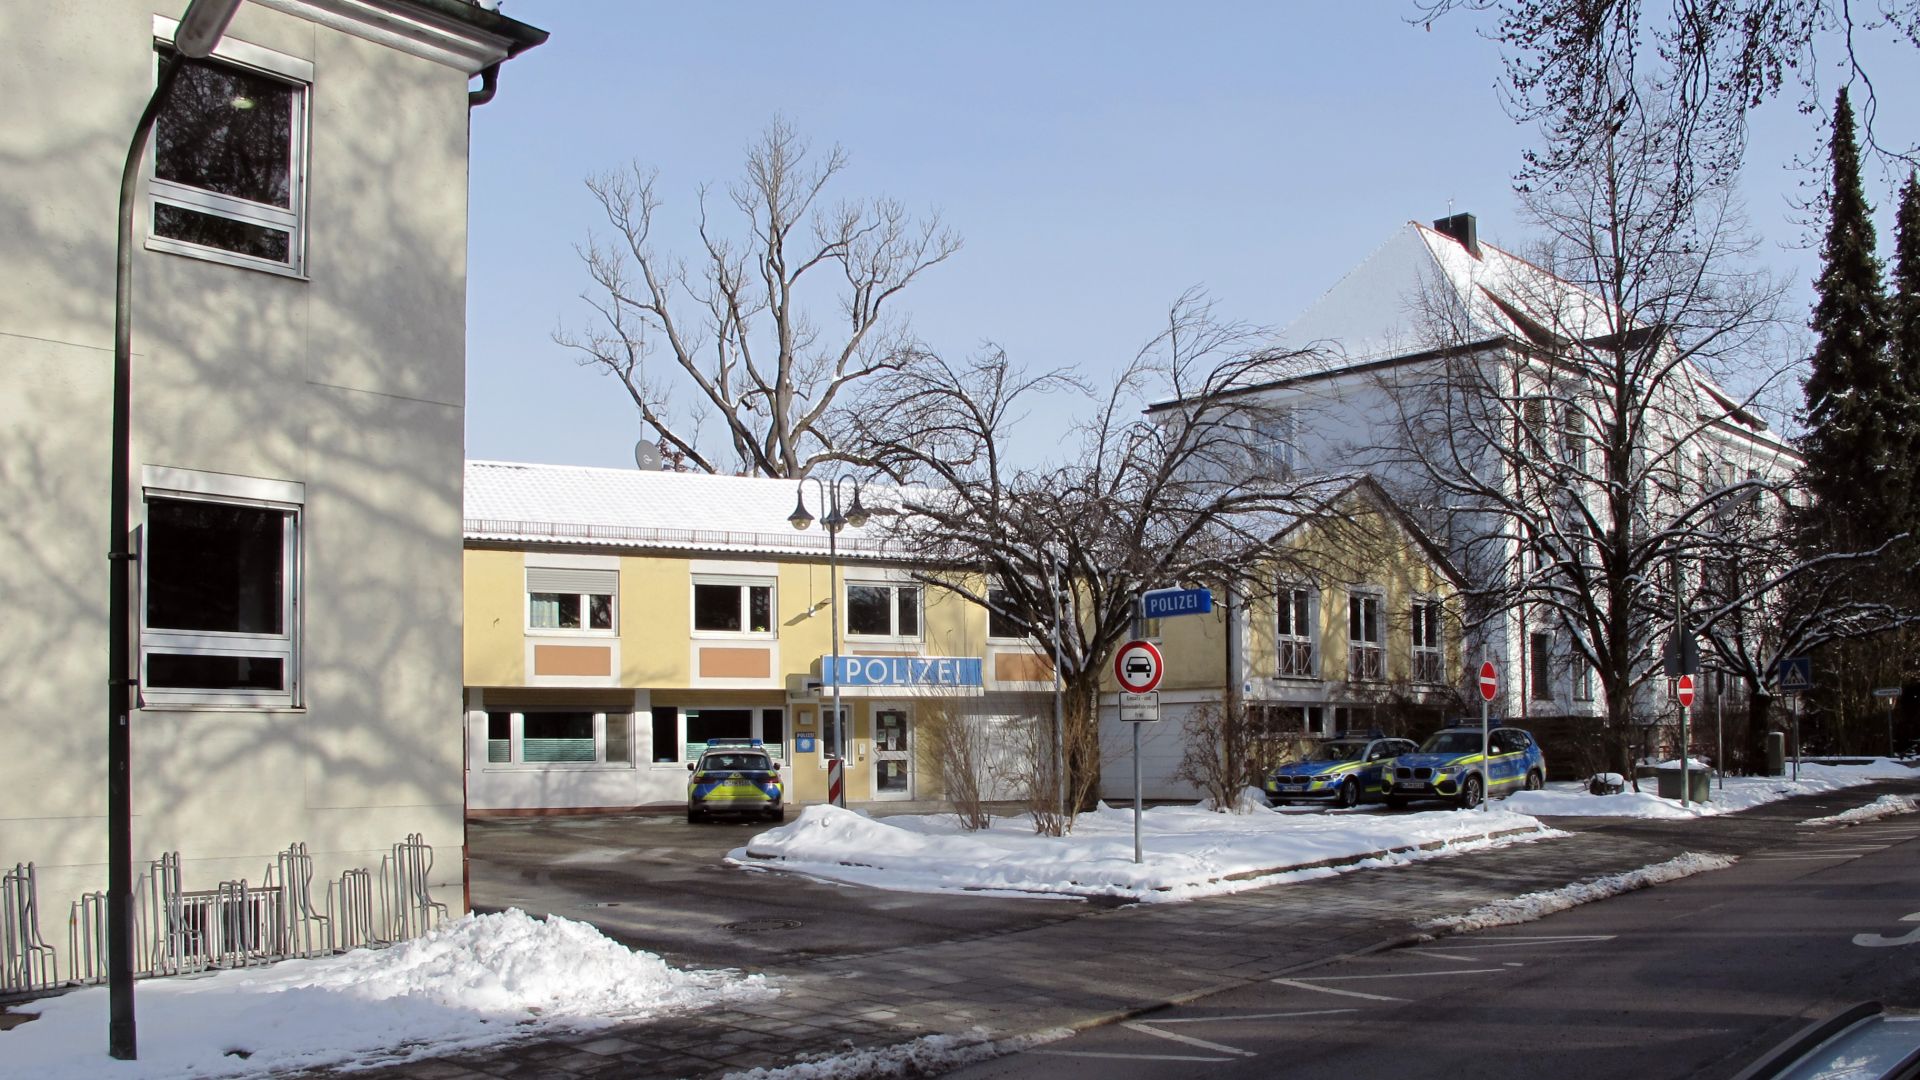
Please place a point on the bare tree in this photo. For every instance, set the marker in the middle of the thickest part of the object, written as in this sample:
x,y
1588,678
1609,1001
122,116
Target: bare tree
x,y
1139,503
730,338
1230,748
1588,447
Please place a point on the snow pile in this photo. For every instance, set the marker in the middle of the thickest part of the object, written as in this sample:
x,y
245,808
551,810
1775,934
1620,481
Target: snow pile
x,y
1884,806
1531,906
1189,851
929,1055
1739,793
478,980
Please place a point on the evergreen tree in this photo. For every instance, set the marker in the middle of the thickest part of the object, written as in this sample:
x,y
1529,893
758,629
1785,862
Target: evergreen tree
x,y
1904,337
1850,443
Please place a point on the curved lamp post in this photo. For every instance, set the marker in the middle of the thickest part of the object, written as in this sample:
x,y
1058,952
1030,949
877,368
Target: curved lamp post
x,y
199,32
835,520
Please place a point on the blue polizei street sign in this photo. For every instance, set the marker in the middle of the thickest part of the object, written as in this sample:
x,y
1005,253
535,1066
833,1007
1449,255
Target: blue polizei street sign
x,y
1162,603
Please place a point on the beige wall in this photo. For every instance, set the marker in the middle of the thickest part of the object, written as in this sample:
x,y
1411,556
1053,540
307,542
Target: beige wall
x,y
349,382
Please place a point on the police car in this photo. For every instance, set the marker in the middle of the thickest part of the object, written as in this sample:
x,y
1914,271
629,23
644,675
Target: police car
x,y
1450,765
734,776
1343,770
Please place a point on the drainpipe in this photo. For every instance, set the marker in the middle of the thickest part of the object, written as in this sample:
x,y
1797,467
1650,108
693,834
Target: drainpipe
x,y
489,83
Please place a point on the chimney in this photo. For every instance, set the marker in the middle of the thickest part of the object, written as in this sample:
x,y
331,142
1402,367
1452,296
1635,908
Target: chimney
x,y
1462,228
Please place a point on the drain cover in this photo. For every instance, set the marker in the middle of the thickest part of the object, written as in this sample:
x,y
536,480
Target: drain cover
x,y
760,926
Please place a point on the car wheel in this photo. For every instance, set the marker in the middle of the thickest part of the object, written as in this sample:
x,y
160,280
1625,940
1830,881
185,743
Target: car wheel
x,y
1470,793
1396,802
695,817
778,813
1349,795
1535,781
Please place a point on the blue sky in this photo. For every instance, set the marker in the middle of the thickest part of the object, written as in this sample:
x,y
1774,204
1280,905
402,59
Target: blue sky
x,y
1097,159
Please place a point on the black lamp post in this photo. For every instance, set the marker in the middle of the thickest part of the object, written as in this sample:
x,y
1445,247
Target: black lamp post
x,y
856,516
199,31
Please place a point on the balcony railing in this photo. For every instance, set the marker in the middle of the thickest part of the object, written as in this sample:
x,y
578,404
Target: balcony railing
x,y
1296,659
1366,663
1426,666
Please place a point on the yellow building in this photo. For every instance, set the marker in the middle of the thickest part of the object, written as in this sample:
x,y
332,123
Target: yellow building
x,y
1354,626
617,619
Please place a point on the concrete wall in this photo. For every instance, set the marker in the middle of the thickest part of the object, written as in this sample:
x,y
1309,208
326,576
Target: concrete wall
x,y
349,382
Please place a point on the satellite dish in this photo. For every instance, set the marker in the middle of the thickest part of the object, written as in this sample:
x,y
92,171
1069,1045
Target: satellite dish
x,y
646,455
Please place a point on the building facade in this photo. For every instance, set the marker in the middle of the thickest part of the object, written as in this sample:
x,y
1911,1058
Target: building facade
x,y
299,304
618,619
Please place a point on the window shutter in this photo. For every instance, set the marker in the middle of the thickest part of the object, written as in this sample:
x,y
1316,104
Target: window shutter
x,y
546,579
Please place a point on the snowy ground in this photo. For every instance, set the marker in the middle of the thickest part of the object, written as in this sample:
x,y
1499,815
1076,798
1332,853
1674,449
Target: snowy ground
x,y
479,980
1739,793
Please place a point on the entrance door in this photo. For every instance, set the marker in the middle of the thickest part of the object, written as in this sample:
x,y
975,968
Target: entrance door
x,y
892,754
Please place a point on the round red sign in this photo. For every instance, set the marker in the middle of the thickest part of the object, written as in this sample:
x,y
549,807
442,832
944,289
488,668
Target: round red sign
x,y
1138,666
1489,681
1683,689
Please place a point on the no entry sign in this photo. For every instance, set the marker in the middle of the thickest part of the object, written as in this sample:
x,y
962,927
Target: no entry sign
x,y
1683,689
1489,681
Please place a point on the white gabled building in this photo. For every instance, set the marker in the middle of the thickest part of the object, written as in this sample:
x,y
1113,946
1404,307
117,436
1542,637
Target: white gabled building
x,y
1433,299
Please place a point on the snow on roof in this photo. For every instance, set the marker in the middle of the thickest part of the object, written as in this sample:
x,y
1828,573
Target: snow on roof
x,y
578,504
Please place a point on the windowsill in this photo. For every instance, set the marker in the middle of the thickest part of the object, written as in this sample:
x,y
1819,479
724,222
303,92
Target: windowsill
x,y
550,766
733,635
225,706
863,639
224,258
573,635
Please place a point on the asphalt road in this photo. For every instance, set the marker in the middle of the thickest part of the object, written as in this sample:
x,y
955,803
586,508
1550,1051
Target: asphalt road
x,y
654,882
1691,979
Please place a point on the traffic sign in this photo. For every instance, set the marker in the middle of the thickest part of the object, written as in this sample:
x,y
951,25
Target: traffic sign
x,y
1165,603
1683,689
1138,666
1140,708
1795,673
1489,681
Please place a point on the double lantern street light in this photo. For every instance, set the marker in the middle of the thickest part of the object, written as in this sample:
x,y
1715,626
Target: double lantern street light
x,y
856,516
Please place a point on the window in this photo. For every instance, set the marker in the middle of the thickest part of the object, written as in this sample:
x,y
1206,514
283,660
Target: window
x,y
1540,666
1275,451
1573,439
569,599
1366,656
1428,659
732,606
219,566
998,624
1582,679
229,157
557,737
883,611
1294,635
666,734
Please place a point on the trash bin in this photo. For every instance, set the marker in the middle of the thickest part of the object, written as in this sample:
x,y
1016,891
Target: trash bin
x,y
1776,753
1699,784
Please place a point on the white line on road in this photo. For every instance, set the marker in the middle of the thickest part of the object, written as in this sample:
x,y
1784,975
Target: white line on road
x,y
1147,1029
1298,985
1127,1057
1249,1016
1527,942
1406,975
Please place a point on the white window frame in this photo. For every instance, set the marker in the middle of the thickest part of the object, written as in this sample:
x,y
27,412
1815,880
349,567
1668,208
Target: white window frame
x,y
517,716
527,593
742,582
1290,646
1583,678
893,610
1276,443
289,497
1377,645
292,218
1435,620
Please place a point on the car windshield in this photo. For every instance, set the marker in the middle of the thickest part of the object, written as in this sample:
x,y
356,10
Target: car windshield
x,y
1337,751
1452,742
742,762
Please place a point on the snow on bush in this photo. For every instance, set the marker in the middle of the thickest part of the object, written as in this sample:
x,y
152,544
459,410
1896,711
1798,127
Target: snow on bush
x,y
1531,906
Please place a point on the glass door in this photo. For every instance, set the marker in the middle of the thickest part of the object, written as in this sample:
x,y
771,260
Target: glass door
x,y
892,754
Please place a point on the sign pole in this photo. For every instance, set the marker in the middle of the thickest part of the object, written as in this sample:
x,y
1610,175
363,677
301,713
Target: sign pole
x,y
1139,626
1489,686
1796,738
1683,701
1720,727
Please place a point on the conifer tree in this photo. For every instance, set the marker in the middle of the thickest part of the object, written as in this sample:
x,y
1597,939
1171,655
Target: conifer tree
x,y
1850,443
1903,334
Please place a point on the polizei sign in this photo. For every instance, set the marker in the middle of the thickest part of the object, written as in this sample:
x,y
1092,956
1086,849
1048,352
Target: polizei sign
x,y
900,671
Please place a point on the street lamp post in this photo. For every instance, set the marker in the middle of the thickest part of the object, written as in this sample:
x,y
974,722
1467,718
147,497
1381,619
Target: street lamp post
x,y
834,521
199,32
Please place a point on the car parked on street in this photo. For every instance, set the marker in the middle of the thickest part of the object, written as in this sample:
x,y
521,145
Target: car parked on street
x,y
735,776
1344,770
1452,765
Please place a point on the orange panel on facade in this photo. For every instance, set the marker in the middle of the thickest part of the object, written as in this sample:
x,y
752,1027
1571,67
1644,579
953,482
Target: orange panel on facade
x,y
1022,667
572,660
736,663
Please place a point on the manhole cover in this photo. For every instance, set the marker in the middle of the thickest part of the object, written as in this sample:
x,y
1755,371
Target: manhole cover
x,y
760,926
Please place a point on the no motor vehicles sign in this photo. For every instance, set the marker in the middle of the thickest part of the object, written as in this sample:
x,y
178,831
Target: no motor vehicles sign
x,y
1137,667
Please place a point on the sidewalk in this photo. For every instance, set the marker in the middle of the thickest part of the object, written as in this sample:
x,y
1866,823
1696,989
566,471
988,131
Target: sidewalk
x,y
1114,963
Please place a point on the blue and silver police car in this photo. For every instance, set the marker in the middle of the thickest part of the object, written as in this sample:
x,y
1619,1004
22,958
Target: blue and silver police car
x,y
1343,770
1451,765
734,776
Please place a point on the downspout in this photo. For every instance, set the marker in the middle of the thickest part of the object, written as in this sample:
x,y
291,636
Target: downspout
x,y
489,83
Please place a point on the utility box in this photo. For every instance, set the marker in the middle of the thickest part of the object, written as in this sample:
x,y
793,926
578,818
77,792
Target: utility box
x,y
1699,784
1776,753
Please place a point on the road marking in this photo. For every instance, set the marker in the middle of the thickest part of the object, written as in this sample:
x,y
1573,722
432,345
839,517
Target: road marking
x,y
1881,941
1405,975
1249,1016
1298,985
1440,955
1528,942
1147,1029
